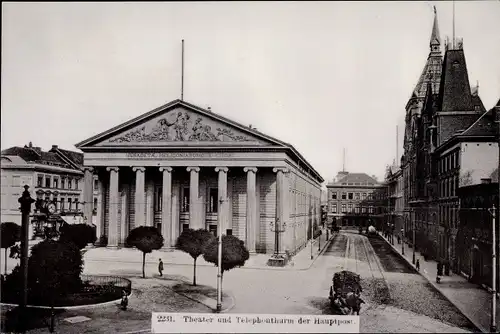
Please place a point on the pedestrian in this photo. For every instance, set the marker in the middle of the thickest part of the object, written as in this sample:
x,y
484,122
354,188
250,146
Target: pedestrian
x,y
418,264
124,301
160,267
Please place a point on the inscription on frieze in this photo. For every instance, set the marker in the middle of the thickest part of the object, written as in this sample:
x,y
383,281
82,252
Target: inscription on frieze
x,y
163,155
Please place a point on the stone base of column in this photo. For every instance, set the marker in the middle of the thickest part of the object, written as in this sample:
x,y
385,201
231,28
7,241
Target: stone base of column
x,y
168,249
112,247
279,260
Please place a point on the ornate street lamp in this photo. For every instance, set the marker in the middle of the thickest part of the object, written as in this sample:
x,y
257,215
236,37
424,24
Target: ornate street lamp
x,y
275,227
493,325
402,241
25,200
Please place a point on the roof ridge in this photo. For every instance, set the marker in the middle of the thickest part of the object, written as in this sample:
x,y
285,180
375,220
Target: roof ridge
x,y
475,122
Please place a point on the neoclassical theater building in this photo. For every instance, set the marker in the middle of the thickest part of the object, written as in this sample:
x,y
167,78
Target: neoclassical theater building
x,y
181,166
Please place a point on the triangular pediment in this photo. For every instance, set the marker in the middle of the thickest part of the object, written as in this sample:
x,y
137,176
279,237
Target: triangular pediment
x,y
180,124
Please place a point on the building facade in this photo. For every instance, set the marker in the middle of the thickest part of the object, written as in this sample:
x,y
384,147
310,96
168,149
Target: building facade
x,y
474,233
356,199
395,205
180,166
54,175
449,139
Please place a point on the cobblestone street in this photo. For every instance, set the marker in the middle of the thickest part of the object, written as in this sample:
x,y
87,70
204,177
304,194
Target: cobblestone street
x,y
397,298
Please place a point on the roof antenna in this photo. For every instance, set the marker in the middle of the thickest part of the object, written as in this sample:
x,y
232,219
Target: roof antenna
x,y
343,161
453,41
182,73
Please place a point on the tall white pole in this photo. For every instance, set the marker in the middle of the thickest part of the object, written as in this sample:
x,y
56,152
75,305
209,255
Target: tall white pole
x,y
312,230
219,259
493,326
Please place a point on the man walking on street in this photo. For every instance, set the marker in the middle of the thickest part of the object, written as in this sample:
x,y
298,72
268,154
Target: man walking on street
x,y
160,267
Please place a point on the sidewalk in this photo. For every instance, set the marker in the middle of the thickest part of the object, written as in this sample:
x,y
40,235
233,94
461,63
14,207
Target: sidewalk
x,y
300,261
470,299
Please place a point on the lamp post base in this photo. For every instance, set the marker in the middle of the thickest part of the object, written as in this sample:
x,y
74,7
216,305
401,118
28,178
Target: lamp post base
x,y
493,329
218,308
413,259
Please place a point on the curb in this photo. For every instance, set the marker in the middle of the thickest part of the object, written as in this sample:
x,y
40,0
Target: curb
x,y
79,307
435,286
211,265
327,243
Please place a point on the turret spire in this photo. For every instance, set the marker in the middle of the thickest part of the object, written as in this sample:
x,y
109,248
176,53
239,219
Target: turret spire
x,y
435,41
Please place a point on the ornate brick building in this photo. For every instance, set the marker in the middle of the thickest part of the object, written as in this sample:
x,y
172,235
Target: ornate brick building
x,y
449,138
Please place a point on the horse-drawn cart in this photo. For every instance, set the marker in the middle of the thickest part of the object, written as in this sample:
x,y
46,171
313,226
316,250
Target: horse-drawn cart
x,y
345,293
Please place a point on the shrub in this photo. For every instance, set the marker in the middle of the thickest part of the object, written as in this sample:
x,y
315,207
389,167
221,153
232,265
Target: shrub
x,y
234,252
78,234
146,239
194,243
54,270
10,233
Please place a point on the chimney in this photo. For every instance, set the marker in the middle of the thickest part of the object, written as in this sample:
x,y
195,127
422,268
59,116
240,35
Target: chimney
x,y
341,175
486,181
30,145
209,108
54,147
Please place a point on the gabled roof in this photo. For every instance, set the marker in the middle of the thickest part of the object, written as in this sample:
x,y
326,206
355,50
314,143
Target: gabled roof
x,y
484,126
171,105
454,91
356,179
36,155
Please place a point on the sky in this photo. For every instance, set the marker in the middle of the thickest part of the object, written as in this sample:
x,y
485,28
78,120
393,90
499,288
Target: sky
x,y
322,76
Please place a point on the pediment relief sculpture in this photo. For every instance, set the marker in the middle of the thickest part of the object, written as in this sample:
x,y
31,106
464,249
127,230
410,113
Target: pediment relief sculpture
x,y
182,127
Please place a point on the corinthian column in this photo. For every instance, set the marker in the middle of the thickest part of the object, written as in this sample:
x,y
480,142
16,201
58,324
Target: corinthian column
x,y
194,207
166,208
88,197
251,216
113,207
139,199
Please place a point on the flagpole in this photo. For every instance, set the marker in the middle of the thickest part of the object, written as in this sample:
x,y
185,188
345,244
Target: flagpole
x,y
182,73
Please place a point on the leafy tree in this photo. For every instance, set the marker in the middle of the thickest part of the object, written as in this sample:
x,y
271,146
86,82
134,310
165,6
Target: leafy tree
x,y
146,239
10,233
54,270
78,234
194,242
234,253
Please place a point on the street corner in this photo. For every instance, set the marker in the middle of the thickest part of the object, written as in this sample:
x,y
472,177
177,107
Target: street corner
x,y
205,295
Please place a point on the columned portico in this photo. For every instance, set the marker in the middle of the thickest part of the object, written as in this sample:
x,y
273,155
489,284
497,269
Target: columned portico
x,y
223,200
113,207
194,198
140,196
178,162
166,213
251,210
88,196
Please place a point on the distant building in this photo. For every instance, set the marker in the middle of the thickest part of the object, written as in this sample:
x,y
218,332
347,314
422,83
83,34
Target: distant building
x,y
356,199
53,175
394,182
